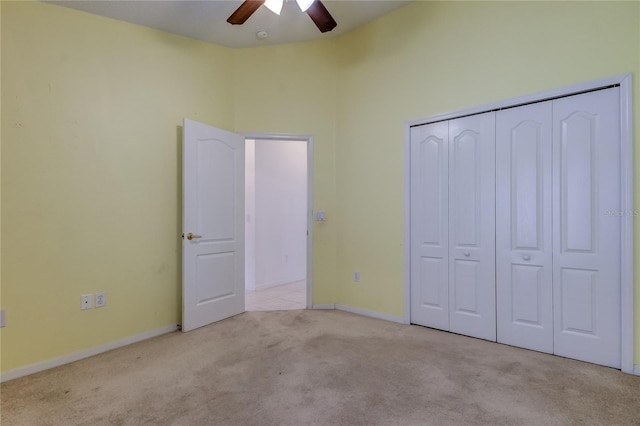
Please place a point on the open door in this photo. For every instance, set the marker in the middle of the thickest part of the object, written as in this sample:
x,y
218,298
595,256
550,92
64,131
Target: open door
x,y
213,225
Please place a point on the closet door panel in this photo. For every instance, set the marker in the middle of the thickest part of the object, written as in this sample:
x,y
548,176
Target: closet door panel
x,y
524,290
472,226
586,195
429,226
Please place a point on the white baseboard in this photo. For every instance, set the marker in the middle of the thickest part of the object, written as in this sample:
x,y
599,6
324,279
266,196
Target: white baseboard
x,y
636,370
76,356
371,314
325,306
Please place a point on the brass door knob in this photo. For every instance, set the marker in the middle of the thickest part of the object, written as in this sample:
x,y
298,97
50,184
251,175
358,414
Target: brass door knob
x,y
191,236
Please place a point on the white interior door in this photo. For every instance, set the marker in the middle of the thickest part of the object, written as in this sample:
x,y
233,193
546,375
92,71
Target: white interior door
x,y
430,225
524,290
213,219
472,303
586,221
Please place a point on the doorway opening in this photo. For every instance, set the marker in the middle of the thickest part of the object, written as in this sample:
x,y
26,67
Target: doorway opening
x,y
277,223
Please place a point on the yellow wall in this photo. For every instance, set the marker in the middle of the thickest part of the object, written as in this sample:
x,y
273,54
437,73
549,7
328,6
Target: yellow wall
x,y
90,168
91,174
435,57
636,195
0,185
91,193
292,89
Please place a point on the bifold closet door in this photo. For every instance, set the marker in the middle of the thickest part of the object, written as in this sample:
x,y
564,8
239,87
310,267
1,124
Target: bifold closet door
x,y
472,226
429,225
586,222
524,286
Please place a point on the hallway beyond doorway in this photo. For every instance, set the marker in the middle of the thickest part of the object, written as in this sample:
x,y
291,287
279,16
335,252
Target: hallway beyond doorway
x,y
278,298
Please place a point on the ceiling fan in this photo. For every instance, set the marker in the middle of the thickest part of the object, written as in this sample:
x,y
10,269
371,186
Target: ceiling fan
x,y
314,8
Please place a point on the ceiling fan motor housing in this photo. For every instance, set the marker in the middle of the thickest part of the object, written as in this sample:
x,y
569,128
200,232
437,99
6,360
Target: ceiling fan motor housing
x,y
315,9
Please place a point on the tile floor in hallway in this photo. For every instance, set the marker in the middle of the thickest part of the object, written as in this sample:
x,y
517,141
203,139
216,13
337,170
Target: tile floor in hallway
x,y
278,298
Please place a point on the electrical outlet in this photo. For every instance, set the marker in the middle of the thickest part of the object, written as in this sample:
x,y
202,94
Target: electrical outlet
x,y
2,318
101,299
356,276
86,301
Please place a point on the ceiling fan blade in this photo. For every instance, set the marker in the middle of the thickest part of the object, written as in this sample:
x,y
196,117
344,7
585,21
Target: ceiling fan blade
x,y
321,17
244,12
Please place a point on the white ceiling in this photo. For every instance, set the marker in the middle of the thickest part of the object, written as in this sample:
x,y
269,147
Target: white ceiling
x,y
207,19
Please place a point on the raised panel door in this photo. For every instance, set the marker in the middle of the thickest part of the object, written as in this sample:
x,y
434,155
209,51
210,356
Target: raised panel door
x,y
429,226
586,219
213,212
524,290
472,226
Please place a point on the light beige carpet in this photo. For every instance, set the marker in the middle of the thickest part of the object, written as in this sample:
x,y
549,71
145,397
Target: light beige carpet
x,y
324,368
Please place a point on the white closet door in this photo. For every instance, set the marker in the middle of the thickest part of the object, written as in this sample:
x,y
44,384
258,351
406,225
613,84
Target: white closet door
x,y
472,301
524,290
429,226
586,195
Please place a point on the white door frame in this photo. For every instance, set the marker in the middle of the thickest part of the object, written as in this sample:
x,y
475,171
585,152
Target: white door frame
x,y
309,140
626,173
